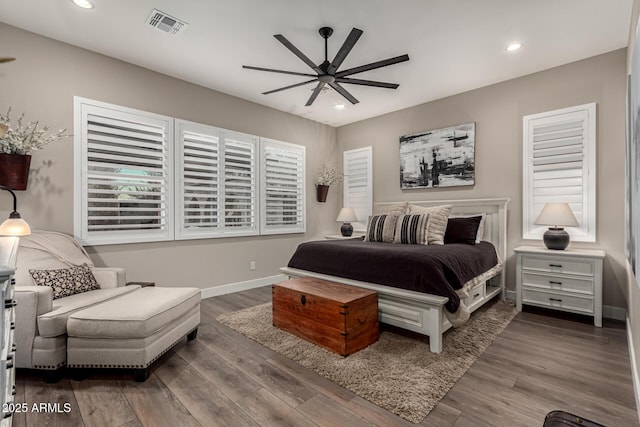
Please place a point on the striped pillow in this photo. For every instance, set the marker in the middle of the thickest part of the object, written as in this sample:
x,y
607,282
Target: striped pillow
x,y
381,228
411,229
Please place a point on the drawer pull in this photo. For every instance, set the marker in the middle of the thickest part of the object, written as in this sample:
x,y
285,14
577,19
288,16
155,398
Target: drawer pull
x,y
553,282
555,265
555,299
476,295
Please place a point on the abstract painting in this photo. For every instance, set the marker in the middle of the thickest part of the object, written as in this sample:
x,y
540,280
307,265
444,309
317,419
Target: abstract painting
x,y
438,158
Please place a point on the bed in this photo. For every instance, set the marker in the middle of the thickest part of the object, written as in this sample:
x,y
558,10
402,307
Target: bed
x,y
422,312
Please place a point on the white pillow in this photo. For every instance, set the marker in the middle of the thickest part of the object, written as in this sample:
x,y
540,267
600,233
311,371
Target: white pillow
x,y
438,217
480,234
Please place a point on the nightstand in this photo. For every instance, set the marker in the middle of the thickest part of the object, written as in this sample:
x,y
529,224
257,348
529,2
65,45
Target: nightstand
x,y
341,237
569,280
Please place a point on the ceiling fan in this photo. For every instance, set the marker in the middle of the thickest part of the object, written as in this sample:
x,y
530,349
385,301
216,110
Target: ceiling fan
x,y
327,73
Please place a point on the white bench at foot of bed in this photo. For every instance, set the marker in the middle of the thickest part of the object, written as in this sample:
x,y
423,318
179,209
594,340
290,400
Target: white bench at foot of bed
x,y
415,311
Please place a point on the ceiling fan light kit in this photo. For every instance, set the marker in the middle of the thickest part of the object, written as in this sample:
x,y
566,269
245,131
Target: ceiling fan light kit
x,y
327,73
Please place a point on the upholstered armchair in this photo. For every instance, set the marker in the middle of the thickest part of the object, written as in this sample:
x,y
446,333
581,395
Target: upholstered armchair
x,y
41,321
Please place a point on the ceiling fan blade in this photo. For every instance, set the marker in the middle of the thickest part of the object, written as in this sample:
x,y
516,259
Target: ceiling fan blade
x,y
367,82
373,65
342,91
271,70
315,94
348,44
290,87
297,53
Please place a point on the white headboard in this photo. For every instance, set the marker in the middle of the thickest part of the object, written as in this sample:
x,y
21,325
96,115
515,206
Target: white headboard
x,y
495,230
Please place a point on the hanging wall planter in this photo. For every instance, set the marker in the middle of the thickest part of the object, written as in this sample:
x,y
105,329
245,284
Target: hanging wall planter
x,y
14,170
321,193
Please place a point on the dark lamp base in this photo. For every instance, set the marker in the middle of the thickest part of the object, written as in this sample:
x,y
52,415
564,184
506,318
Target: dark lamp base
x,y
346,229
556,238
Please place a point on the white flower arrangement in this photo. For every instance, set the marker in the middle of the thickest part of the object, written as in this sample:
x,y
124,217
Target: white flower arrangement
x,y
25,138
328,175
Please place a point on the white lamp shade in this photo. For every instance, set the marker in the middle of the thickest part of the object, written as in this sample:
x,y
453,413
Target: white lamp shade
x,y
347,215
559,214
15,227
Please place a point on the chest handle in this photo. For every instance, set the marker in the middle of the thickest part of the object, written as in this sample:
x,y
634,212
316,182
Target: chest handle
x,y
303,300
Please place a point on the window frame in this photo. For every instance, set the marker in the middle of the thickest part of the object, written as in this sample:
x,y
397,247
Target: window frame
x,y
174,205
586,232
298,150
366,154
82,109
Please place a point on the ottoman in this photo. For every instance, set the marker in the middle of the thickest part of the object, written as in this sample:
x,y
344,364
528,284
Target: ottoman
x,y
133,330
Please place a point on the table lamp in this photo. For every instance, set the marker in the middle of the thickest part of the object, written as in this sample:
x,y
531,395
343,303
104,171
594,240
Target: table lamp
x,y
346,216
14,225
557,215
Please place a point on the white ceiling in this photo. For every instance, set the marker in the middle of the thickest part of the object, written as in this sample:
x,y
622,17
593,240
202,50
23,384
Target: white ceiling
x,y
454,45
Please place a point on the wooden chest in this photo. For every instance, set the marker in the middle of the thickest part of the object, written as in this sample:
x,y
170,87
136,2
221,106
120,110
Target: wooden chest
x,y
340,318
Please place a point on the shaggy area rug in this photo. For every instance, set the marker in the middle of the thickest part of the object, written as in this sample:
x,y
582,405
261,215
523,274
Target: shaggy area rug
x,y
397,373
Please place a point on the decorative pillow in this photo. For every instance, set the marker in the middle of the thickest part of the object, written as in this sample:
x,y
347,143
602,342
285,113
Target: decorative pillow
x,y
411,229
381,228
66,281
480,234
438,216
463,229
398,208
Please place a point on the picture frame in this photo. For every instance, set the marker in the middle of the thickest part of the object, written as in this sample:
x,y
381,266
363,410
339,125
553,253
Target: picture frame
x,y
438,158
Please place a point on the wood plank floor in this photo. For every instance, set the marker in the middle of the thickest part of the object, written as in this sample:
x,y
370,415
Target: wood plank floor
x,y
541,362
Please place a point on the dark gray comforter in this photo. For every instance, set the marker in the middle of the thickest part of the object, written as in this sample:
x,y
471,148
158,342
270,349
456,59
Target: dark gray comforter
x,y
433,269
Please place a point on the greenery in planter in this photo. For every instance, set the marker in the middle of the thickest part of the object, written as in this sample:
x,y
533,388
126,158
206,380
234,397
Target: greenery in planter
x,y
25,138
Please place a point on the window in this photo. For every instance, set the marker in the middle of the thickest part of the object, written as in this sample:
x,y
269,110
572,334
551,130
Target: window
x,y
560,167
127,176
124,188
216,188
240,186
357,184
198,174
283,180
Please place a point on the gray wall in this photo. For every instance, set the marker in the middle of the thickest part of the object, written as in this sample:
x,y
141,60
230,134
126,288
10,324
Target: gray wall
x,y
630,283
498,111
43,82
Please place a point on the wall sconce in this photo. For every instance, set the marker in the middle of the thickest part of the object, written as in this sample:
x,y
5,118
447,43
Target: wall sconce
x,y
14,225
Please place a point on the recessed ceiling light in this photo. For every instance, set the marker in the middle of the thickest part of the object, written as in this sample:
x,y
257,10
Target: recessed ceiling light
x,y
512,47
85,4
339,106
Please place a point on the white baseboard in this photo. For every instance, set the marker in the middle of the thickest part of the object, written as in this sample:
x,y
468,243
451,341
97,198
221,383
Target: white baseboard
x,y
608,311
634,370
511,295
615,313
242,286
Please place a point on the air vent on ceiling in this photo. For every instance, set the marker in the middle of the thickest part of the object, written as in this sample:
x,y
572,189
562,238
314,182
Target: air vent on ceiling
x,y
166,23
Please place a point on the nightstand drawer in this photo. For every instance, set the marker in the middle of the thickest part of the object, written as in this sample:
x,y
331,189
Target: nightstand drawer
x,y
558,283
558,265
557,300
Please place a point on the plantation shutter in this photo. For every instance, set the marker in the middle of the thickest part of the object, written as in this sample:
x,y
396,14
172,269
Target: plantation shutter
x,y
358,185
559,167
240,188
125,177
198,172
283,182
